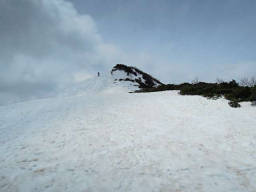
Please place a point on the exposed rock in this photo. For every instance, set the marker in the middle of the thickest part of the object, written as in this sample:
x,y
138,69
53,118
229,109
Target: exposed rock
x,y
137,77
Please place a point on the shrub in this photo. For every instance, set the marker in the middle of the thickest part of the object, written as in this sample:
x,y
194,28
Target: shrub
x,y
241,93
246,82
234,104
253,94
230,90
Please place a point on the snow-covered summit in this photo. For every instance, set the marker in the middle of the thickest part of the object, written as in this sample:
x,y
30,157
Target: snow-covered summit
x,y
133,77
121,76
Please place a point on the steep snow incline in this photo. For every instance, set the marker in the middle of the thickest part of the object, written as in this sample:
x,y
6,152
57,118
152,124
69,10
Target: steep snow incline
x,y
110,140
90,86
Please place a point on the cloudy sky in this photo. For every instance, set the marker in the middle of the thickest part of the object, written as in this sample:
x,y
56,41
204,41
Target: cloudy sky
x,y
49,44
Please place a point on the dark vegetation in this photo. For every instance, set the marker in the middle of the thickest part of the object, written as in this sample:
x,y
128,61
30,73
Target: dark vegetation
x,y
234,104
232,91
146,82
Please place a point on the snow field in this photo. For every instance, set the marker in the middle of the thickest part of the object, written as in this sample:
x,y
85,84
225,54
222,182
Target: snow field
x,y
109,140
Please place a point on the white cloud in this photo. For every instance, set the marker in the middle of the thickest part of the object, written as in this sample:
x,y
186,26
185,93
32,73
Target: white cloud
x,y
47,44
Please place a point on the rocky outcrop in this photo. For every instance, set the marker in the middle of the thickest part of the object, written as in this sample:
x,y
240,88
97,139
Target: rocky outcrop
x,y
136,77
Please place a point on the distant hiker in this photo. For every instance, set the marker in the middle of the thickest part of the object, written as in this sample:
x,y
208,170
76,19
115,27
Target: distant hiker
x,y
98,74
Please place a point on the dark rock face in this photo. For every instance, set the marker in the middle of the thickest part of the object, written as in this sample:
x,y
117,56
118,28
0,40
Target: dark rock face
x,y
134,75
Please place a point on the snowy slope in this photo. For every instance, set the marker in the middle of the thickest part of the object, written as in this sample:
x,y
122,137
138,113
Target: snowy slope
x,y
110,140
